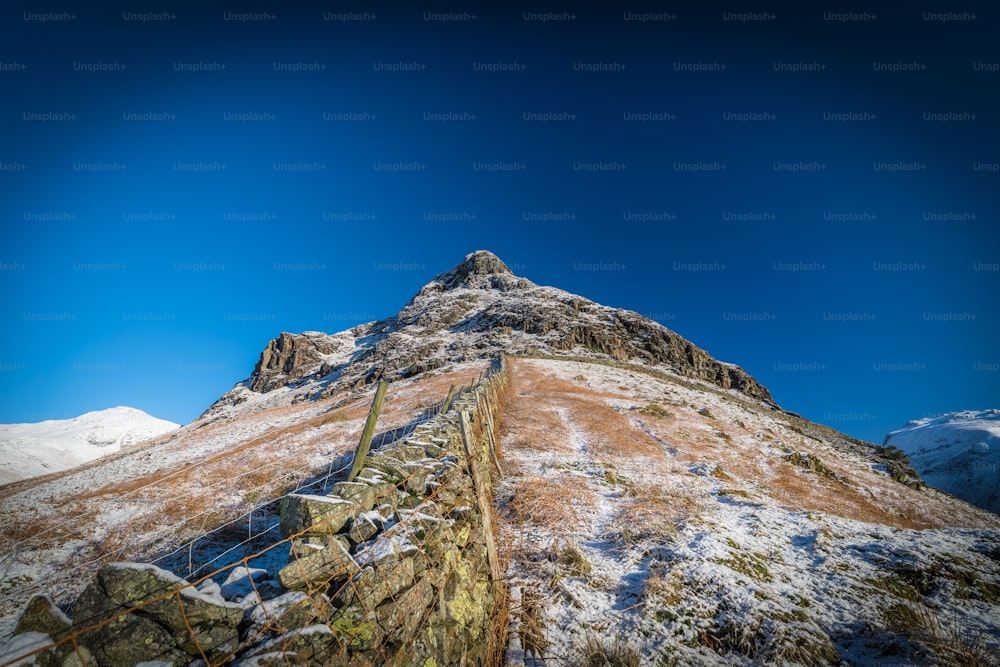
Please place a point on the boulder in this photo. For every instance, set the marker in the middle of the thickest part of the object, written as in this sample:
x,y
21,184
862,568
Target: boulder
x,y
312,645
365,526
363,493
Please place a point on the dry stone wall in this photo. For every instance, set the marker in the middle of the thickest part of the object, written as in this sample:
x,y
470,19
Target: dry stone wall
x,y
397,567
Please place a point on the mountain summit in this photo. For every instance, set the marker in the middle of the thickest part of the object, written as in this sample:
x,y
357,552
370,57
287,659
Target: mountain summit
x,y
475,310
28,450
480,269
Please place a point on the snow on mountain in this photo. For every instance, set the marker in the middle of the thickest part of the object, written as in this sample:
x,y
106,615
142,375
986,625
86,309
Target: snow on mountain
x,y
28,450
957,452
476,310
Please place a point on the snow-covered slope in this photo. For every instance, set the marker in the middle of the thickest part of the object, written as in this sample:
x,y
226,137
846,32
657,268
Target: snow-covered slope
x,y
661,522
28,450
957,452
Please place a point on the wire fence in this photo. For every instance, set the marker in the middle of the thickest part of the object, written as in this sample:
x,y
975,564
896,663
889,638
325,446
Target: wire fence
x,y
157,541
398,564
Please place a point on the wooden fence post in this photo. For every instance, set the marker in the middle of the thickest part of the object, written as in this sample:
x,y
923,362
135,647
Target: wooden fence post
x,y
482,494
361,453
447,400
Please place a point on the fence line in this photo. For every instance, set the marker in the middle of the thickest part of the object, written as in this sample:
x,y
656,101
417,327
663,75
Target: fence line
x,y
157,535
422,527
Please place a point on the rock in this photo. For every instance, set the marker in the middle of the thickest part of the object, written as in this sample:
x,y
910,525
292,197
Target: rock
x,y
478,309
303,514
365,526
128,639
241,581
387,567
291,611
416,483
289,357
357,630
13,650
409,453
312,645
174,621
363,494
318,567
400,618
42,615
393,469
43,623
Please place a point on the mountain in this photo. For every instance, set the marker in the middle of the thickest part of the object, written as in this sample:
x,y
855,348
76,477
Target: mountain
x,y
957,452
476,310
650,504
38,448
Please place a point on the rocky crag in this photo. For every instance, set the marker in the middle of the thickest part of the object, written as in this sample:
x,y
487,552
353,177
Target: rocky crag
x,y
478,309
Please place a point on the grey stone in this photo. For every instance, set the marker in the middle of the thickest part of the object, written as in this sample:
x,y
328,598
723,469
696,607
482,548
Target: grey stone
x,y
291,611
303,514
391,467
409,453
364,528
400,618
173,623
361,494
373,584
312,645
309,568
42,615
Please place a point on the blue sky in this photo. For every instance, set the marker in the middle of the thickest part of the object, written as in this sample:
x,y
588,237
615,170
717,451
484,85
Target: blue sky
x,y
861,289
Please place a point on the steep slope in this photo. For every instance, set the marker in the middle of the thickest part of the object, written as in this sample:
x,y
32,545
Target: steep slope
x,y
957,452
474,311
215,483
27,450
657,522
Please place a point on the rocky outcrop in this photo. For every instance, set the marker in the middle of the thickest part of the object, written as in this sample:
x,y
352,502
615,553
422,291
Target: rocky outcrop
x,y
290,357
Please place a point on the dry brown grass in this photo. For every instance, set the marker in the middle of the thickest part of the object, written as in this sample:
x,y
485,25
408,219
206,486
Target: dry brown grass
x,y
549,502
528,423
533,404
801,490
42,531
19,526
611,436
650,512
223,465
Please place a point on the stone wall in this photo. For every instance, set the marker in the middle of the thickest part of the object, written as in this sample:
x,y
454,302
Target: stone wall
x,y
397,567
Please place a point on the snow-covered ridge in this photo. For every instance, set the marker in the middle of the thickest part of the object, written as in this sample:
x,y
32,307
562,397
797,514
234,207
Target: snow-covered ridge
x,y
957,452
476,310
28,450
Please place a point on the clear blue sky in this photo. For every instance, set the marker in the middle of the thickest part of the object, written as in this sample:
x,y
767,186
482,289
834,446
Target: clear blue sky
x,y
861,297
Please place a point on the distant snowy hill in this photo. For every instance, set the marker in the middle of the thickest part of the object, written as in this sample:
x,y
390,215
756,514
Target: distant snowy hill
x,y
27,450
957,452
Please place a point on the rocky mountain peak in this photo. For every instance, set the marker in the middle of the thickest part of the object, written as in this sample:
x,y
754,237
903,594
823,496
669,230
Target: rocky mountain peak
x,y
479,309
479,270
478,264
